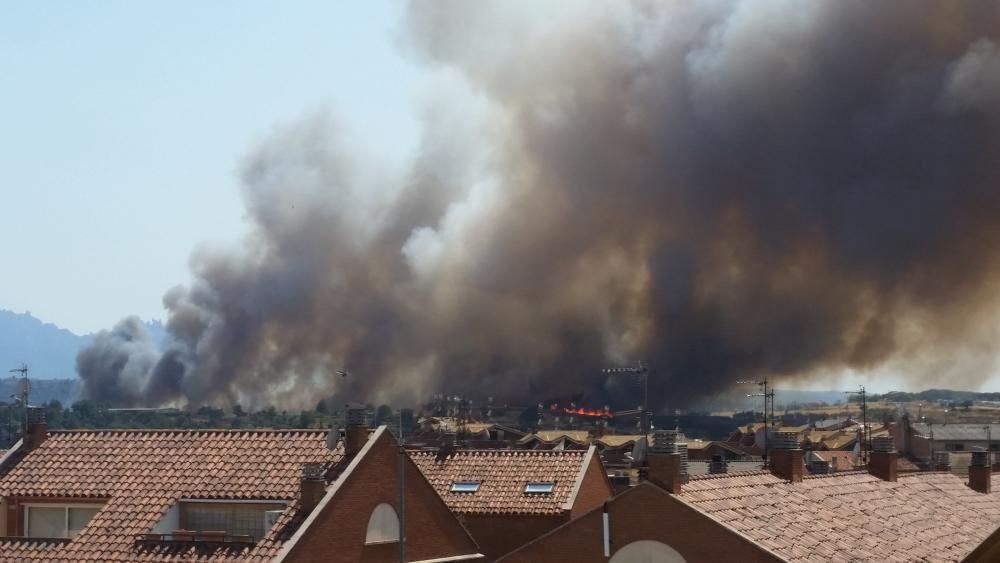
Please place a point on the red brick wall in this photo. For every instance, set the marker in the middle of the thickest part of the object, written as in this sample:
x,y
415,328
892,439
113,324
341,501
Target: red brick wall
x,y
498,534
338,532
594,490
643,513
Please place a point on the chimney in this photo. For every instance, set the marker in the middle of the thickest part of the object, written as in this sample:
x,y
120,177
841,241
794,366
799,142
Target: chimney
x,y
786,457
664,465
942,461
356,435
448,446
36,430
718,464
980,471
882,463
313,486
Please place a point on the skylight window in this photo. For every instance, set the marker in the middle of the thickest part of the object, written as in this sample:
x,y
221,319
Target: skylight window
x,y
465,486
539,487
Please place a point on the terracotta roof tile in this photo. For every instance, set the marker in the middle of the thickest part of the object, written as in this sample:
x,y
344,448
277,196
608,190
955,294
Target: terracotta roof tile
x,y
141,474
921,517
502,475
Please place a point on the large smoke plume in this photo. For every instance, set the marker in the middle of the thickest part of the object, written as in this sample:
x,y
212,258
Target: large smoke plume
x,y
724,189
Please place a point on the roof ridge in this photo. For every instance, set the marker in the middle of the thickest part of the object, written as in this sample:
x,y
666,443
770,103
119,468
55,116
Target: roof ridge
x,y
712,476
838,474
184,430
434,452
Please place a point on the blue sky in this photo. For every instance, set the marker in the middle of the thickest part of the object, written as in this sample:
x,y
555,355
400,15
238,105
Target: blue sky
x,y
123,124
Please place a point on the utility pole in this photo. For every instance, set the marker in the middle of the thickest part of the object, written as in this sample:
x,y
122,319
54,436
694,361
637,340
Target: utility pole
x,y
402,492
768,396
642,370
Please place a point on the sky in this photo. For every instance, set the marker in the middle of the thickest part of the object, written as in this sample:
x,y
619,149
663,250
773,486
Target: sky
x,y
122,126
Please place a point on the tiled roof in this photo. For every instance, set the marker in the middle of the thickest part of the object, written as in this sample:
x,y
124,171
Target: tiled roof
x,y
956,431
841,460
617,440
141,474
502,475
579,436
840,440
851,516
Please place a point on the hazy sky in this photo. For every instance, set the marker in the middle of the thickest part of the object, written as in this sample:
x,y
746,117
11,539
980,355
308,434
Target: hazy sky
x,y
123,123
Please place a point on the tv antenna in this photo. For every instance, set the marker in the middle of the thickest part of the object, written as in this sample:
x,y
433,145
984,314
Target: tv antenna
x,y
23,385
768,396
865,431
23,391
643,370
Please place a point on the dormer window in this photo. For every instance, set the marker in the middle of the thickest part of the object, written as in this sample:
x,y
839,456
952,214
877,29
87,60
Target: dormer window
x,y
236,520
47,520
465,486
539,487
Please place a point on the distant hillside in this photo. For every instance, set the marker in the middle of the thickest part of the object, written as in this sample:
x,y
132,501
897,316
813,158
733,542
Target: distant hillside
x,y
49,351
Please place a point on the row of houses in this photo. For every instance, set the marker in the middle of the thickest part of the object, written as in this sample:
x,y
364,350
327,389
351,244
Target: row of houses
x,y
307,495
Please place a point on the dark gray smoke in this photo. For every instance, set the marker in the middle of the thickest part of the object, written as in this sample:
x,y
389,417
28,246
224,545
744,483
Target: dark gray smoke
x,y
724,189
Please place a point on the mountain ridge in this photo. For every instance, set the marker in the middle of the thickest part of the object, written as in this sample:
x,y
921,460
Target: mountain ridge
x,y
48,350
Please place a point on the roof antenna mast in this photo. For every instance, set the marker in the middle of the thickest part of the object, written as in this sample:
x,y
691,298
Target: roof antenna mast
x,y
23,391
768,396
642,370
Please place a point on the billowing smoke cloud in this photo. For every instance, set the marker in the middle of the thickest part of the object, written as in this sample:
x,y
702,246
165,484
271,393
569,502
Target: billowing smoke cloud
x,y
724,189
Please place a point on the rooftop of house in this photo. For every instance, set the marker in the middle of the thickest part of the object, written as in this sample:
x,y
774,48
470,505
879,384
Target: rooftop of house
x,y
832,423
851,516
955,431
618,440
839,460
578,436
137,476
503,476
478,427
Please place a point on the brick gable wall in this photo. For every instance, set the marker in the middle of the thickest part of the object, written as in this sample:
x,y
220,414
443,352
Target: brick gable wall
x,y
337,533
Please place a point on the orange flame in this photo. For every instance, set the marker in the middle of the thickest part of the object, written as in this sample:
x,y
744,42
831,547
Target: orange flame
x,y
606,412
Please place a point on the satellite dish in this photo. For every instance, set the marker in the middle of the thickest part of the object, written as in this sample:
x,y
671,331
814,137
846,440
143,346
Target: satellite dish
x,y
23,389
333,437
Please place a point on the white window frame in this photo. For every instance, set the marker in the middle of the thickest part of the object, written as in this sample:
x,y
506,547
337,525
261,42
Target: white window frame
x,y
65,506
549,487
465,487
